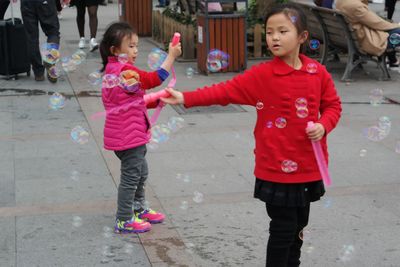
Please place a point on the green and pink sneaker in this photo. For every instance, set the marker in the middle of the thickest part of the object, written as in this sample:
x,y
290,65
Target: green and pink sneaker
x,y
150,216
135,225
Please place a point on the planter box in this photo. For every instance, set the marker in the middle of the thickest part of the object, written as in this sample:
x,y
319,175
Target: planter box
x,y
226,33
164,28
138,14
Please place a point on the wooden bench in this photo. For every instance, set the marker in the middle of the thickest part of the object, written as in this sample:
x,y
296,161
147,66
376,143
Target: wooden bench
x,y
338,36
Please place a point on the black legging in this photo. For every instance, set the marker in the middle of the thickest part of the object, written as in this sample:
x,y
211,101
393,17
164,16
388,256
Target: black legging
x,y
80,19
284,243
390,5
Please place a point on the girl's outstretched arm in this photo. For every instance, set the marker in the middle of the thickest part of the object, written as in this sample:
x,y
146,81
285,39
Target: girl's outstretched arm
x,y
243,89
173,52
175,97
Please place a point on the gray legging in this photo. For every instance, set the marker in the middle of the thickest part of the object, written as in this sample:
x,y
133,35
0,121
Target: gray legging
x,y
134,174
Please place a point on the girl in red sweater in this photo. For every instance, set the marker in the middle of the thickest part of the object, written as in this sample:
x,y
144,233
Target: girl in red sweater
x,y
287,92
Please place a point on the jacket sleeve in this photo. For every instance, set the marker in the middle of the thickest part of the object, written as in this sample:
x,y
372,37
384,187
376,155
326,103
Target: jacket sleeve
x,y
148,80
370,19
330,105
241,90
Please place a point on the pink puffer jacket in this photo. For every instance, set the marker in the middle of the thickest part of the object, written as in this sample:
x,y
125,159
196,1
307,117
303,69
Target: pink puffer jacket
x,y
127,124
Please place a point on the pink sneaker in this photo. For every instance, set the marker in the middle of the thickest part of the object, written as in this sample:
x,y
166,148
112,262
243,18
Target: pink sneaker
x,y
135,225
151,216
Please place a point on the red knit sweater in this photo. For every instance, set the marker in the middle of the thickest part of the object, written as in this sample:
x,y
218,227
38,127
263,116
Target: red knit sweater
x,y
286,99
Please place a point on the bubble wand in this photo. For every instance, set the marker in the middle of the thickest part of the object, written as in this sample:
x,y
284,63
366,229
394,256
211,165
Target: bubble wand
x,y
152,97
323,168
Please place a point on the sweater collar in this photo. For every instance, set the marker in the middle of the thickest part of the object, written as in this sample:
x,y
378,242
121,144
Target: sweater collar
x,y
112,59
281,68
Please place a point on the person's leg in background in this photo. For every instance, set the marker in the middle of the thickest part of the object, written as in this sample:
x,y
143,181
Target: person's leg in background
x,y
390,4
47,14
93,22
31,22
3,8
80,21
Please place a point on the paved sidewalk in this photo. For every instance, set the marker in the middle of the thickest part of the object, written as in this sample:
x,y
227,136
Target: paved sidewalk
x,y
58,198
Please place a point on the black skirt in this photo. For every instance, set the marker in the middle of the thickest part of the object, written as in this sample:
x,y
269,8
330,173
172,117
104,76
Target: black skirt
x,y
288,195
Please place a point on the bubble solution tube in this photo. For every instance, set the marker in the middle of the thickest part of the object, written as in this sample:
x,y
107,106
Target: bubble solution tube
x,y
319,155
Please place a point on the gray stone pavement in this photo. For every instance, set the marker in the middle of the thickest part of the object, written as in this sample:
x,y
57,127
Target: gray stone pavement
x,y
58,198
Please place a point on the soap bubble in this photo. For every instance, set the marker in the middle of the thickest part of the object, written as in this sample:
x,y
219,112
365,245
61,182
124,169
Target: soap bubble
x,y
54,72
397,147
50,53
175,123
95,78
152,145
327,202
302,113
56,101
363,153
77,221
184,205
189,72
280,122
288,166
78,57
308,249
68,64
111,81
107,232
74,176
186,178
160,133
123,58
80,135
376,97
314,44
130,81
107,252
305,235
374,133
300,102
385,124
128,248
259,105
346,253
311,68
217,60
394,38
198,197
156,58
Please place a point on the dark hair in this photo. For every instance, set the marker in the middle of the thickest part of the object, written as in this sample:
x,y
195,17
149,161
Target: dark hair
x,y
295,14
113,36
292,12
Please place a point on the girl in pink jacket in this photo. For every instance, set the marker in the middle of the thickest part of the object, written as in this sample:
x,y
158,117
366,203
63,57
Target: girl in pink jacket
x,y
127,126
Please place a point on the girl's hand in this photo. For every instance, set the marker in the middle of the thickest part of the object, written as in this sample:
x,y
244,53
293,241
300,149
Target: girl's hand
x,y
175,97
316,133
175,51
